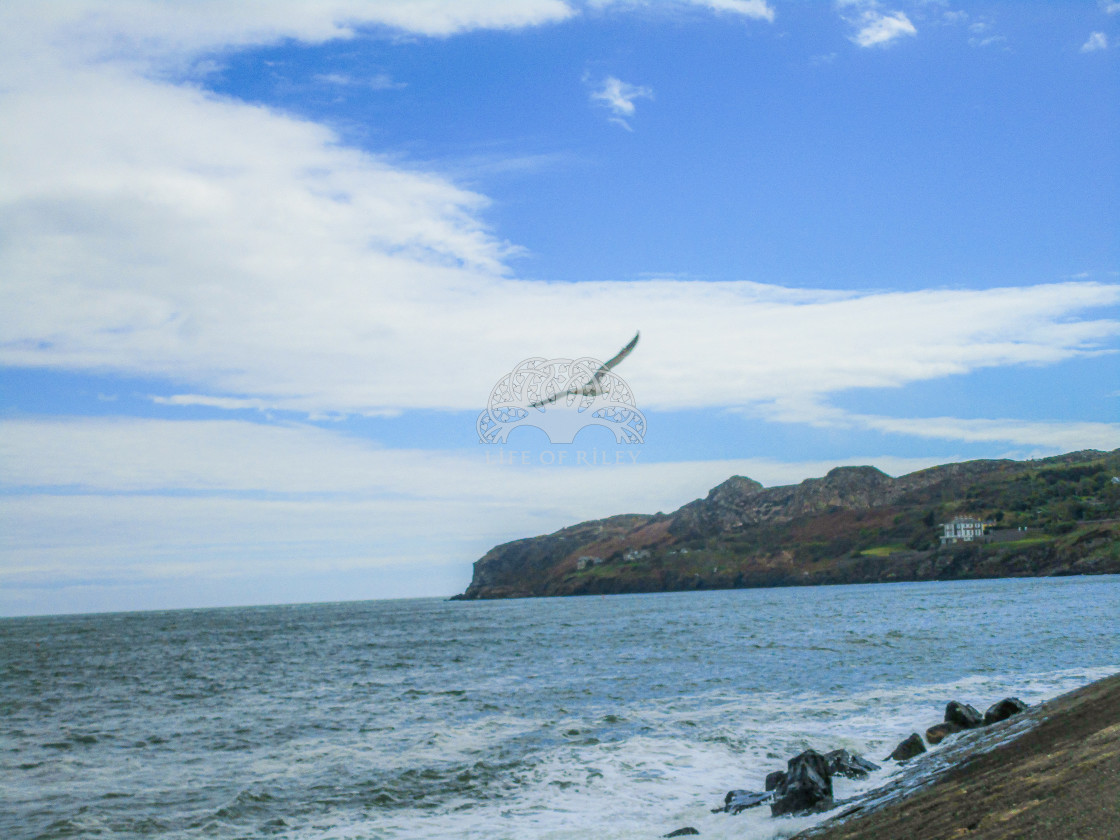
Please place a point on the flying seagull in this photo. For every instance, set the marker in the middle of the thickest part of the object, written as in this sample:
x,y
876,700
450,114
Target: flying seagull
x,y
592,388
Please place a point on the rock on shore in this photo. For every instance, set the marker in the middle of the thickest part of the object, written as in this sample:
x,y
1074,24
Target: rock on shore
x,y
1049,771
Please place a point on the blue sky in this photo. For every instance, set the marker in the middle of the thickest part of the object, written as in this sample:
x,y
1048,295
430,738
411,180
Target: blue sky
x,y
261,265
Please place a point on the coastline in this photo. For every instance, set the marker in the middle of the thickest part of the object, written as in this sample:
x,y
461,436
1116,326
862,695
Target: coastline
x,y
1051,771
1057,516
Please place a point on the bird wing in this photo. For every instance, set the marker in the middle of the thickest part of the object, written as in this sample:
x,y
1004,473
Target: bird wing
x,y
594,380
623,353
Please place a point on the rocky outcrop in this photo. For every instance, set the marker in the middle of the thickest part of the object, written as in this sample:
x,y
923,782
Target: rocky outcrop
x,y
1003,710
940,731
908,748
806,788
960,717
527,567
1048,772
849,765
853,525
963,715
741,502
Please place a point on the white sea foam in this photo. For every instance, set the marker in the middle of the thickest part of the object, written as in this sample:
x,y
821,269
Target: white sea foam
x,y
646,785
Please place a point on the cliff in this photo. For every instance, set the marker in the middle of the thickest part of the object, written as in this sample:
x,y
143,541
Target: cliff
x,y
854,525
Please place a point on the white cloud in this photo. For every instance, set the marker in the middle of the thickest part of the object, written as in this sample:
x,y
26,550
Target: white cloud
x,y
141,30
754,9
757,9
981,34
1042,435
618,96
1048,436
874,27
138,455
227,403
877,29
76,553
1097,41
166,233
378,81
230,458
156,230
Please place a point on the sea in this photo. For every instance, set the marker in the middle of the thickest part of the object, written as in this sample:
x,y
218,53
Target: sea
x,y
627,716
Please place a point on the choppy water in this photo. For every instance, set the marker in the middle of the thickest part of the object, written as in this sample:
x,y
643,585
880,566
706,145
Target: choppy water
x,y
620,717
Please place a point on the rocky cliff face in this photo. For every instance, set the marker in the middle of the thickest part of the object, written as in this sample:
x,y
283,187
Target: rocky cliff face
x,y
855,524
528,567
740,502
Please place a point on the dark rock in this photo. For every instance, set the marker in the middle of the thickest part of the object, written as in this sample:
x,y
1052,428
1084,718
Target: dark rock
x,y
849,765
909,748
938,733
741,800
806,788
1004,709
774,779
963,715
682,832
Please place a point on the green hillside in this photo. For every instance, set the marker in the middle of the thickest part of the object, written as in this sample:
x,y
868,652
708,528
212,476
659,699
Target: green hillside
x,y
856,524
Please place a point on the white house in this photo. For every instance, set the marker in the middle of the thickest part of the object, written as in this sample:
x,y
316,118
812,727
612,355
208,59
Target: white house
x,y
962,529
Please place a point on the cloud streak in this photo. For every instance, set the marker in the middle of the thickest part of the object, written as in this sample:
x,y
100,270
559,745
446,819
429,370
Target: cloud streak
x,y
378,81
239,459
1039,436
618,97
753,9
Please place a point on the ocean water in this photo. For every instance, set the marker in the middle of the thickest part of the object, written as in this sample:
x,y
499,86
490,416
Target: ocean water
x,y
620,717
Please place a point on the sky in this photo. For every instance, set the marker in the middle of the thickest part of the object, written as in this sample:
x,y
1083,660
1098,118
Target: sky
x,y
263,265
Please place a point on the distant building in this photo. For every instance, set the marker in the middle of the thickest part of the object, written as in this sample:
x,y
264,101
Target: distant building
x,y
962,529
